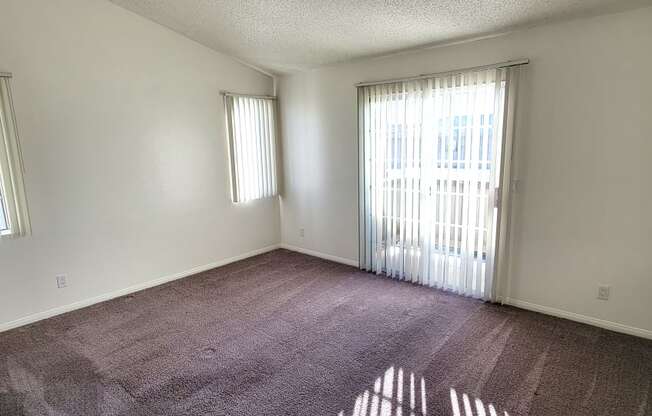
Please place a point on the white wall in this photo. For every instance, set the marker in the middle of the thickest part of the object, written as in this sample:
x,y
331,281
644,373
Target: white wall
x,y
584,158
122,129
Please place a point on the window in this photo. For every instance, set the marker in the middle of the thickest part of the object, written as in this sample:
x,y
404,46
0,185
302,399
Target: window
x,y
430,178
14,218
251,131
3,217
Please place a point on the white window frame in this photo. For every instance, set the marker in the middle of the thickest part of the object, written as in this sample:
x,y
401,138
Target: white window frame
x,y
12,189
251,134
3,215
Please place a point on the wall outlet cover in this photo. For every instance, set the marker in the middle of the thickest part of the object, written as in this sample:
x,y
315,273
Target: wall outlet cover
x,y
61,281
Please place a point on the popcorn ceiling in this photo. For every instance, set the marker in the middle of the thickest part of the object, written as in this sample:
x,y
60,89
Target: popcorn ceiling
x,y
283,36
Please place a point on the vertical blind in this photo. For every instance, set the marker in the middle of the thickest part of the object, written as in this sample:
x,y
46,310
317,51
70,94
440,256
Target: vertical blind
x,y
14,216
430,178
251,131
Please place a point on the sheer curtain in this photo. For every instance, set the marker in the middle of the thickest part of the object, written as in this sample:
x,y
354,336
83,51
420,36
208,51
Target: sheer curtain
x,y
430,179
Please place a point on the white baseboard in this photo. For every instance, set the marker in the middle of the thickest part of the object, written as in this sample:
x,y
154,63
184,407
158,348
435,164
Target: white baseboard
x,y
348,262
613,326
131,289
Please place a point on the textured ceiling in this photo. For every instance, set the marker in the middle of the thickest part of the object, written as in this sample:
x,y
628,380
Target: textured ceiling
x,y
288,35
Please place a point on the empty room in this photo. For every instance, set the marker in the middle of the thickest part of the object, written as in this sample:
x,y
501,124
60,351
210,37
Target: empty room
x,y
311,207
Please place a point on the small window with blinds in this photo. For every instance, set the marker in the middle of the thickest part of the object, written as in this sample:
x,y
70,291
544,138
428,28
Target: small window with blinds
x,y
251,131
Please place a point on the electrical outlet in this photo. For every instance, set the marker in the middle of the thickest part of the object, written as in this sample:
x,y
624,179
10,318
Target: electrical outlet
x,y
61,281
603,292
302,232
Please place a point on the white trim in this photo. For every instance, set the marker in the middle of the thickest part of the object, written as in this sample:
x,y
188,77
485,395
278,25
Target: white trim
x,y
546,310
613,326
131,289
348,262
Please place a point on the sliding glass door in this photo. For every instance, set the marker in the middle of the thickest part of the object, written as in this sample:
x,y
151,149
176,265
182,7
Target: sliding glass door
x,y
430,179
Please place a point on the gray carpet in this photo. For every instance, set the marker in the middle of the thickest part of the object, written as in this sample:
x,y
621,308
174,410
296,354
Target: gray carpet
x,y
288,334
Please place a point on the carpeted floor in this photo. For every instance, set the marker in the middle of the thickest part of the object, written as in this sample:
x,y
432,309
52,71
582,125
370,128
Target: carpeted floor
x,y
288,334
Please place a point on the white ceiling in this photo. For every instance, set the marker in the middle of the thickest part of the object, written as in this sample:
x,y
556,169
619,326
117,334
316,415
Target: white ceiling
x,y
288,35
